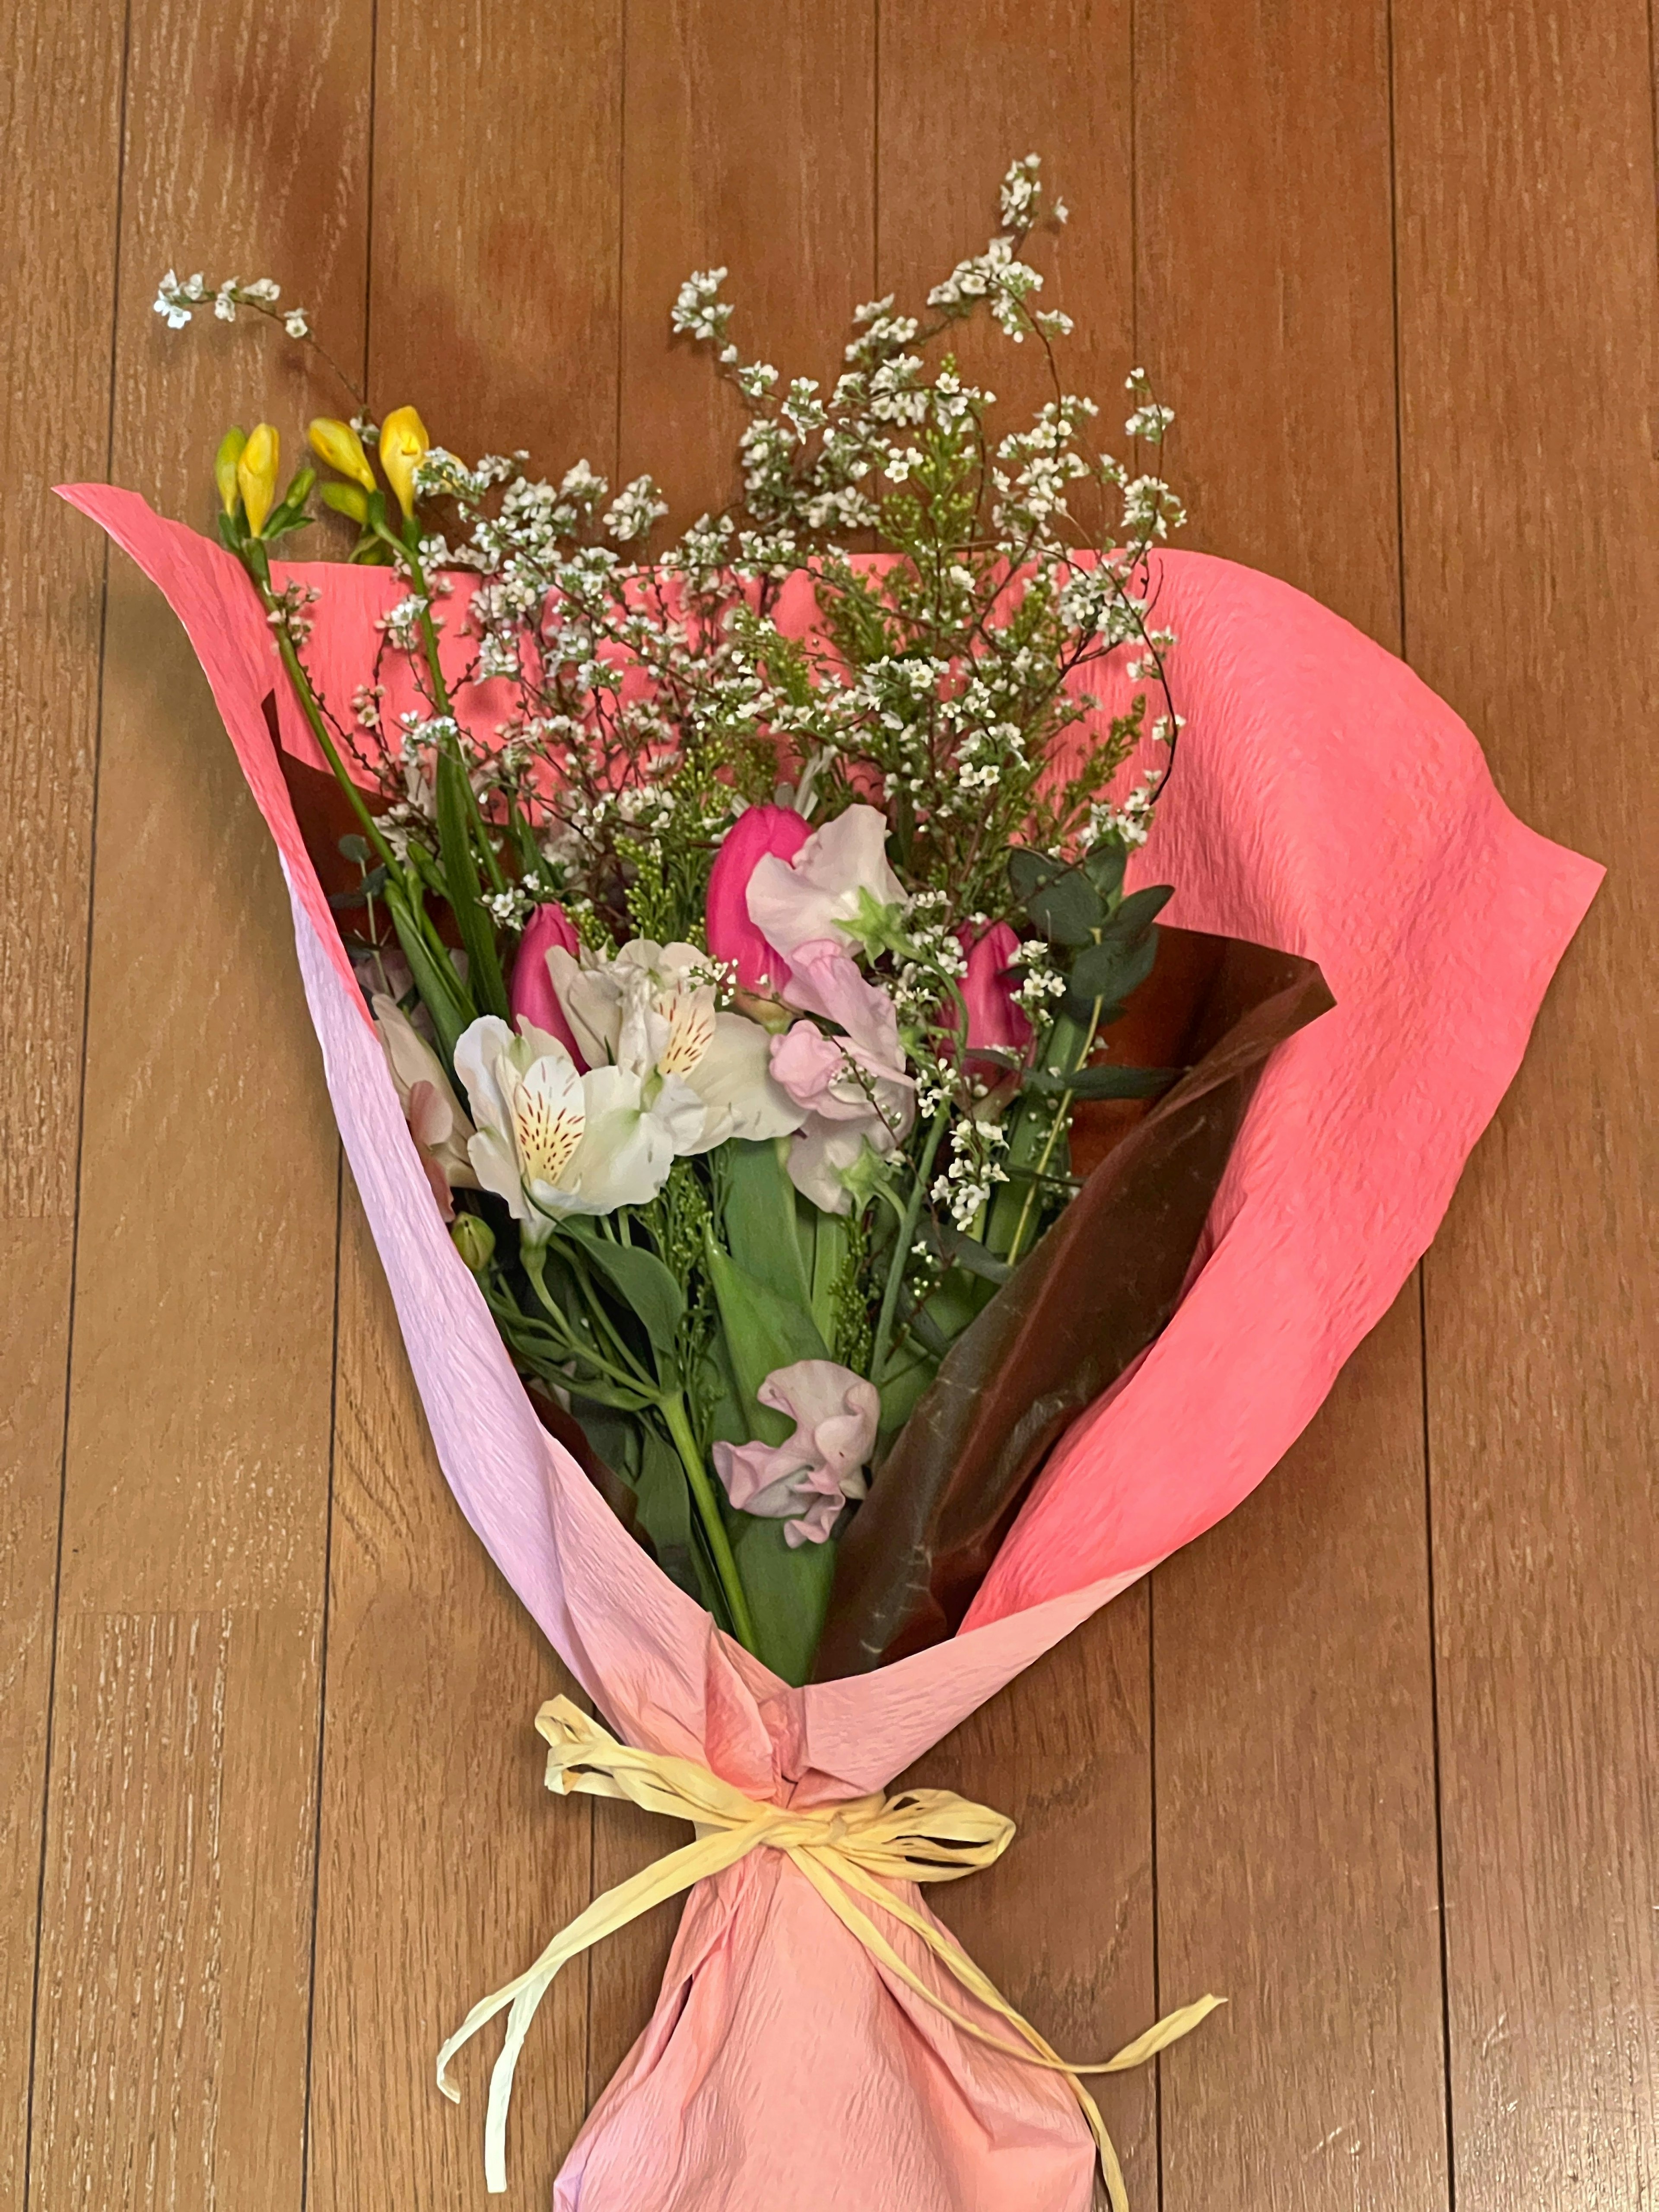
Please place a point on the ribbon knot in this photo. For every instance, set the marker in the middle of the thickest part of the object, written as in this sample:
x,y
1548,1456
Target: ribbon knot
x,y
847,1850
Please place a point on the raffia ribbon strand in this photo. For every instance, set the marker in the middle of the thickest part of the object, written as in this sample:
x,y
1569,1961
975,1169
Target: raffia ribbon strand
x,y
846,1852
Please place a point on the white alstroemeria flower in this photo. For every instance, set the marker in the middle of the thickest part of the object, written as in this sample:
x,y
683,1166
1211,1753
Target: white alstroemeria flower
x,y
552,1142
650,1011
838,886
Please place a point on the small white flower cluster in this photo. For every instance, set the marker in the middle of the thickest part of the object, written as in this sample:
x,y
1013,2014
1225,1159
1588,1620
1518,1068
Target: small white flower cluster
x,y
699,310
288,618
974,1170
177,298
636,511
510,909
401,621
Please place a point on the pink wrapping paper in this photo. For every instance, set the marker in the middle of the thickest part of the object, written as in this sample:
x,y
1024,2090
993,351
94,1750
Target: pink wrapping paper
x,y
1325,803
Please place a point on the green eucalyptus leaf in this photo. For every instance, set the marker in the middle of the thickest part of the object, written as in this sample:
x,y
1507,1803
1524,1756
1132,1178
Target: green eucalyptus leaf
x,y
1028,871
1067,910
1139,910
1105,866
1106,1082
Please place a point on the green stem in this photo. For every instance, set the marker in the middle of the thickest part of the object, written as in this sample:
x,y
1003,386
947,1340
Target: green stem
x,y
533,1259
902,1250
714,1523
1067,1053
258,568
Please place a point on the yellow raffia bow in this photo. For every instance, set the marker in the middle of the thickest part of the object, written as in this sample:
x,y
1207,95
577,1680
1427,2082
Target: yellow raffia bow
x,y
859,1846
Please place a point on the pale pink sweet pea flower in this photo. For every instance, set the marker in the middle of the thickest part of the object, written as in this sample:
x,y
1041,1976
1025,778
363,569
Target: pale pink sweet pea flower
x,y
996,1021
805,1482
531,993
836,886
851,1087
760,832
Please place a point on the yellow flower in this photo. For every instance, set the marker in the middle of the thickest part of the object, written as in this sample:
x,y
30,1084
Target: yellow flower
x,y
338,444
404,443
224,468
256,473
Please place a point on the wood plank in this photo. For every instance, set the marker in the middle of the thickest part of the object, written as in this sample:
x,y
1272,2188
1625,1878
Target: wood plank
x,y
176,1935
497,169
1266,311
1527,322
754,151
60,91
445,1866
32,1354
1295,1819
494,306
177,1910
1064,1923
1295,1853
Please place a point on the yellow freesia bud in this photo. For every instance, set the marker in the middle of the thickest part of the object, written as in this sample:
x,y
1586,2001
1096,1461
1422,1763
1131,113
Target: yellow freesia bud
x,y
256,473
224,468
348,499
404,444
338,444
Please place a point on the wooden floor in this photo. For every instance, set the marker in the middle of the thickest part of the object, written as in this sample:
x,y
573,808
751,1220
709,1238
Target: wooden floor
x,y
1380,1756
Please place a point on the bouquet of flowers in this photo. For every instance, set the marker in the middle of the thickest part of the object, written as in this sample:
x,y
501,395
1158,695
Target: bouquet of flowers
x,y
811,1176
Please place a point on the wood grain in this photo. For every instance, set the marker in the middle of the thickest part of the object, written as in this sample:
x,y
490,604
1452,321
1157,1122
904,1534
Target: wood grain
x,y
964,90
1296,1846
175,1944
177,1910
752,152
445,1865
1295,1819
62,160
1264,1821
1528,325
497,177
1064,1924
1266,300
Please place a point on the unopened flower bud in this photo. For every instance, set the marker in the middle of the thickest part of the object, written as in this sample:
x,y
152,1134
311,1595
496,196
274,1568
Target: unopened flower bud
x,y
338,444
404,446
347,499
224,468
256,473
475,1240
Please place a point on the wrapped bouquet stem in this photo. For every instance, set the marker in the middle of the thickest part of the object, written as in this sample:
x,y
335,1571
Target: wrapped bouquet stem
x,y
848,1218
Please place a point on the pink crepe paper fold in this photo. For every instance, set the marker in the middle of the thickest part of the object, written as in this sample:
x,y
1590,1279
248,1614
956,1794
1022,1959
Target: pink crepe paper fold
x,y
1325,803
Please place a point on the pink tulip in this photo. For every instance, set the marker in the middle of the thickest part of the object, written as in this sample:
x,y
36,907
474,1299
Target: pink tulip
x,y
732,937
530,992
995,1022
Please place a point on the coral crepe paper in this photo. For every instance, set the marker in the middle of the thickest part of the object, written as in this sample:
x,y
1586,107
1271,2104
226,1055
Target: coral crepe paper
x,y
1325,803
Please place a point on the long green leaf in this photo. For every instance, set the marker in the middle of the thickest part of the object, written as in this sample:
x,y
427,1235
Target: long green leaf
x,y
645,1285
463,888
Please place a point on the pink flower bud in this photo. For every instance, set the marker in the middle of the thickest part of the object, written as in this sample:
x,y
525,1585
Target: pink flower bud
x,y
732,937
530,992
995,1023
